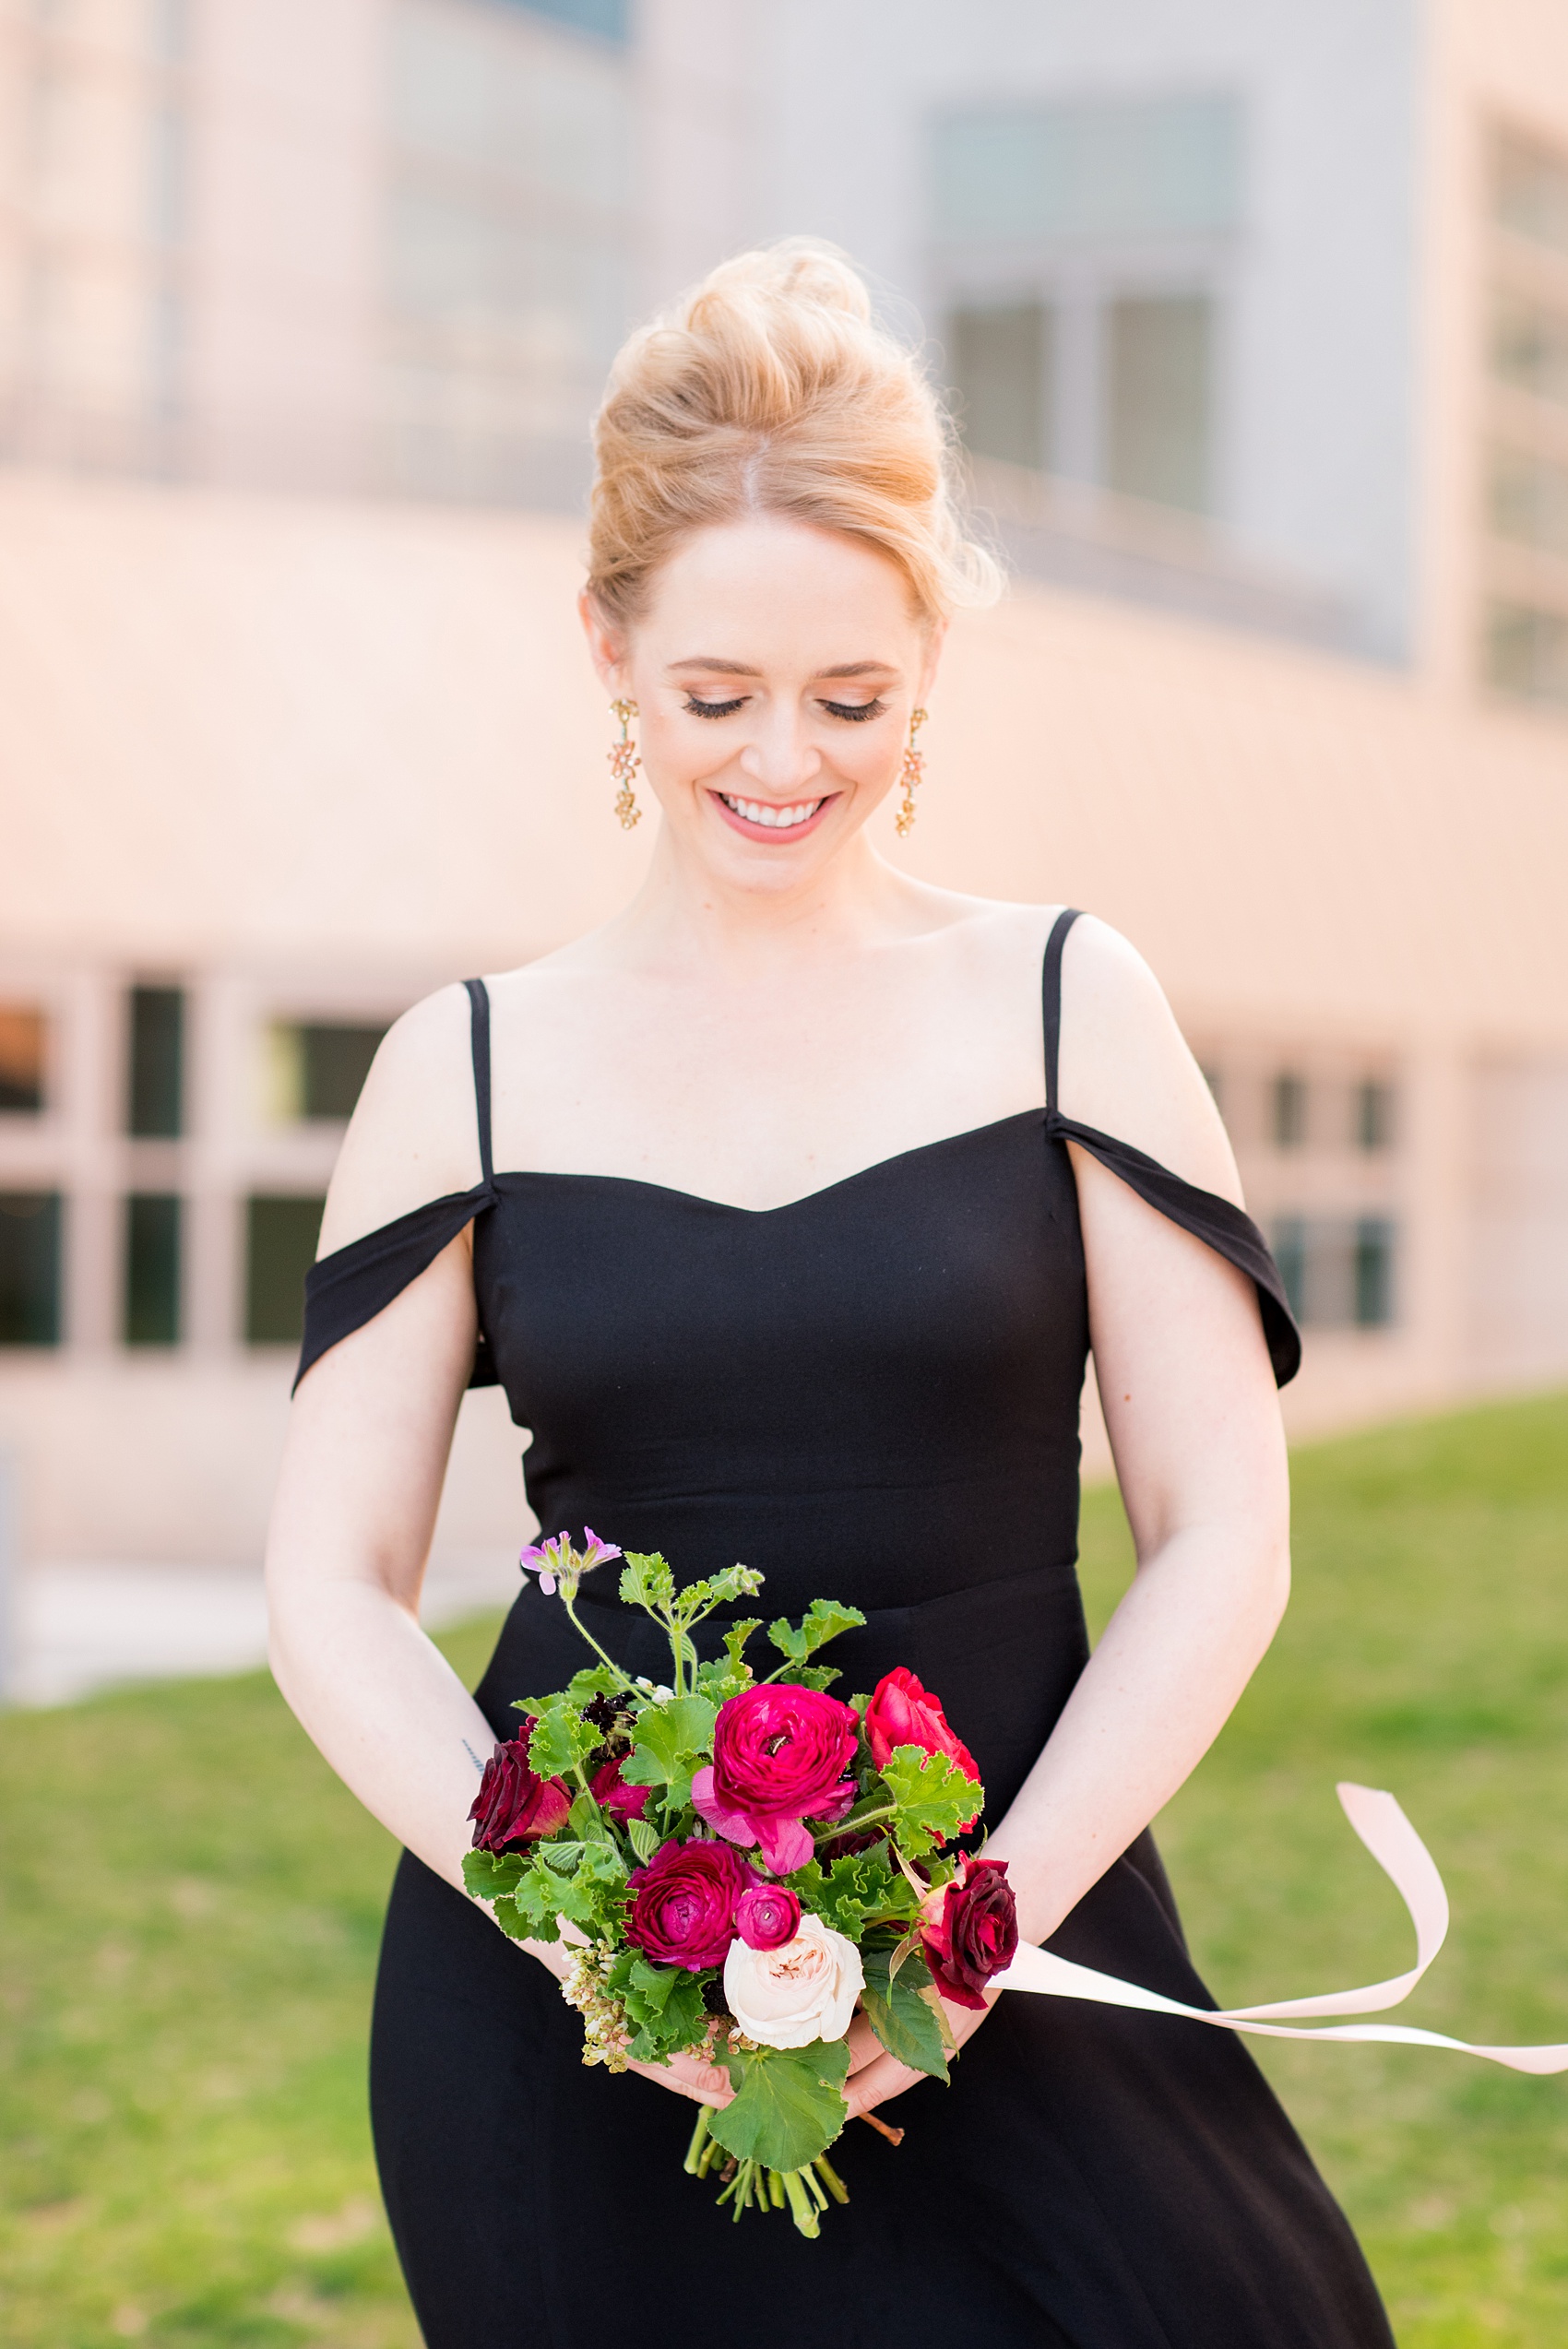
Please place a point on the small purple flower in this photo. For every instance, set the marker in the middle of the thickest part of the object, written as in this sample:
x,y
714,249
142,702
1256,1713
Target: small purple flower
x,y
555,1561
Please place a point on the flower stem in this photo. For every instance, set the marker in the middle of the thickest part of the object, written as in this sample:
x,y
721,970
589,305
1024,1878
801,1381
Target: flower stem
x,y
694,2151
776,2189
831,2179
851,1825
801,2203
626,1680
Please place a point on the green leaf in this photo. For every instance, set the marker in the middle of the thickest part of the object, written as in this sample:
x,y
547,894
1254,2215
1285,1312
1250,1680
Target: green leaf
x,y
856,1886
665,2005
789,2106
518,1928
823,1620
735,1639
719,1590
491,1876
585,1818
672,1737
561,1738
597,1680
644,1838
933,1797
647,1582
901,2011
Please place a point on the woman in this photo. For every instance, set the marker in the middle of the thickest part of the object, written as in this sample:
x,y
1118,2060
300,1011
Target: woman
x,y
805,1218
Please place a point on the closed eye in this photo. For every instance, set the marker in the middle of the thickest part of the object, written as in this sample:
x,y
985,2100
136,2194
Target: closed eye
x,y
713,709
854,711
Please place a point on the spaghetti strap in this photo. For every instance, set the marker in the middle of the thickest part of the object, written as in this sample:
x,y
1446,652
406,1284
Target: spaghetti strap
x,y
1219,1222
479,1000
1051,989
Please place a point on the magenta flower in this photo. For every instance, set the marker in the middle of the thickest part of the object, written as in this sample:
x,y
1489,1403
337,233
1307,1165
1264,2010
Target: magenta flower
x,y
555,1560
780,1756
766,1917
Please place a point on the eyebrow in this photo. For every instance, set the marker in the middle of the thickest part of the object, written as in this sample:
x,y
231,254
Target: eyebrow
x,y
741,668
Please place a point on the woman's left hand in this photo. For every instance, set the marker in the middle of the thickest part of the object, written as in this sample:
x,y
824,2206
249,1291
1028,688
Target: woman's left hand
x,y
875,2076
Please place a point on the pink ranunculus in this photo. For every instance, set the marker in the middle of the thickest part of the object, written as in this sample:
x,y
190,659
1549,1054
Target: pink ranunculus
x,y
977,1934
781,1752
612,1793
766,1917
683,1903
514,1805
902,1713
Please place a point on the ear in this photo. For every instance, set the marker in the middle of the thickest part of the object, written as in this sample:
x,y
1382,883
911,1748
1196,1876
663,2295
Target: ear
x,y
606,644
935,640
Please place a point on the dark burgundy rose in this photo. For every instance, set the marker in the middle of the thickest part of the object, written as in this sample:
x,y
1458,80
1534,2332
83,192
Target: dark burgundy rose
x,y
514,1805
902,1713
612,1793
766,1917
976,1935
683,1904
781,1752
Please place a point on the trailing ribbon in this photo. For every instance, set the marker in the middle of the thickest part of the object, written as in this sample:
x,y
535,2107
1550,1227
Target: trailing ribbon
x,y
1406,1861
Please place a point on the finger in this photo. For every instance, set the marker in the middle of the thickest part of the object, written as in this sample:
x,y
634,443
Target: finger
x,y
863,2044
663,2076
877,2083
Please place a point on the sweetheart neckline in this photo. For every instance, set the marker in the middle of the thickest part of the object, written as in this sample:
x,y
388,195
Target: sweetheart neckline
x,y
804,1199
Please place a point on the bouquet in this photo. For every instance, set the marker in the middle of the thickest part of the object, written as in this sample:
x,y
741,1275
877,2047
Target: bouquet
x,y
738,1863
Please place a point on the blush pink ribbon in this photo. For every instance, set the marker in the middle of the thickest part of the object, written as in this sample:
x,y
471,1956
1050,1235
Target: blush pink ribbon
x,y
1406,1861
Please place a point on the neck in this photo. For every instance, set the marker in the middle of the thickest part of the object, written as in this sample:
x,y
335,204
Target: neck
x,y
684,913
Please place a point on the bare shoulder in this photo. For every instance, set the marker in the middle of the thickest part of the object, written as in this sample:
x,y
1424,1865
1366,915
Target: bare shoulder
x,y
1125,1066
414,1135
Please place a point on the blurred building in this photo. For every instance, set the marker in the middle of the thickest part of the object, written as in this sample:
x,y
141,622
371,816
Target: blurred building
x,y
1256,324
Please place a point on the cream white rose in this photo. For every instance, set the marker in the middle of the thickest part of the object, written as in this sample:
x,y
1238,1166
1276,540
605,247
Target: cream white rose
x,y
805,1990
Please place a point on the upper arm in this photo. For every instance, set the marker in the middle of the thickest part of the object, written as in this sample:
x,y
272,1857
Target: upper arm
x,y
414,1133
1179,1353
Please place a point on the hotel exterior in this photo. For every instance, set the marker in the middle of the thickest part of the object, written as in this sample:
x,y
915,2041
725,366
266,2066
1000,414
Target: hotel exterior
x,y
1261,348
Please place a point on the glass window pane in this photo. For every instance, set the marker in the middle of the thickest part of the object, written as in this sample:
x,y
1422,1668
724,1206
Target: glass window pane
x,y
1290,1106
22,1041
157,1073
1529,347
1101,168
1374,1273
281,1237
1524,652
1290,1255
30,1267
151,1303
1375,1114
607,17
1529,499
336,1063
1530,190
1157,399
1000,361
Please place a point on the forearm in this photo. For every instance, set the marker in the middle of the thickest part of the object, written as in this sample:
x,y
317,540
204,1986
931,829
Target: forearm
x,y
1159,1687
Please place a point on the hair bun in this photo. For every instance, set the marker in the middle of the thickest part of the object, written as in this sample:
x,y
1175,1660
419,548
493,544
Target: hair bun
x,y
770,388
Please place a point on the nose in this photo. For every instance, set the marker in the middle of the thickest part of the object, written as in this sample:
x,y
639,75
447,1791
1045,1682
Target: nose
x,y
780,757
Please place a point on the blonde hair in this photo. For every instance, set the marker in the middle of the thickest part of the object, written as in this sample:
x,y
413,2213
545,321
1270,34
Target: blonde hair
x,y
770,389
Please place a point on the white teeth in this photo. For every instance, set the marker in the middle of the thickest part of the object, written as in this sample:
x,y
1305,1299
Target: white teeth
x,y
773,819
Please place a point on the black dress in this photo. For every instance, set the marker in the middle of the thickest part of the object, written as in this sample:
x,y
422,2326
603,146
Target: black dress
x,y
870,1394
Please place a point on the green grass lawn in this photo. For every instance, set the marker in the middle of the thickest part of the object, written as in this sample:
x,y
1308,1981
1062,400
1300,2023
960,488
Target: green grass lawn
x,y
191,1907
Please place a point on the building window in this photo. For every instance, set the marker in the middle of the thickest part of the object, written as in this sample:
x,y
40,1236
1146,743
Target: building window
x,y
1523,614
151,1302
316,1068
281,1240
1157,399
1001,363
1375,1114
1373,1273
156,1063
1290,1112
1337,1272
606,18
23,1034
30,1267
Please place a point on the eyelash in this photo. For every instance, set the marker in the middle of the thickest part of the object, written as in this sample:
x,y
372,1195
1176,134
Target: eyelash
x,y
856,713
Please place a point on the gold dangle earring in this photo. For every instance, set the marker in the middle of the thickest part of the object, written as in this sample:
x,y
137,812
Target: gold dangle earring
x,y
623,765
909,774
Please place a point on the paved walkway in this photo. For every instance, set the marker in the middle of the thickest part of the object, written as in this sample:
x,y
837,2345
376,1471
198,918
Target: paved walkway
x,y
77,1629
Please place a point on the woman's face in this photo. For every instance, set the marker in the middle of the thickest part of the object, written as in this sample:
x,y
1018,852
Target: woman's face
x,y
774,671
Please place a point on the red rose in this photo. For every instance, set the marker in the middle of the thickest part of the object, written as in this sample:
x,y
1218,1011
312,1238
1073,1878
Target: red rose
x,y
903,1713
781,1752
976,1935
612,1793
683,1904
514,1805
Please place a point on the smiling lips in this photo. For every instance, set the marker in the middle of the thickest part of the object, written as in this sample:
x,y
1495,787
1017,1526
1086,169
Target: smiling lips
x,y
757,816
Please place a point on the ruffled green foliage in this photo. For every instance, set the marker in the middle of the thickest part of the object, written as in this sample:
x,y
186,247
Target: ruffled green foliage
x,y
856,1889
673,1738
900,2003
789,2103
584,1880
932,1798
665,2007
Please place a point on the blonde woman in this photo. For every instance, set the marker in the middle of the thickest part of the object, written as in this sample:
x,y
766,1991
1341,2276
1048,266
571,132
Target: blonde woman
x,y
785,1208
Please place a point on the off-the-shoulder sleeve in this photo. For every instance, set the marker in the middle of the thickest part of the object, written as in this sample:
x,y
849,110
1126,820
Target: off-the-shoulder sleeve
x,y
350,1286
1225,1227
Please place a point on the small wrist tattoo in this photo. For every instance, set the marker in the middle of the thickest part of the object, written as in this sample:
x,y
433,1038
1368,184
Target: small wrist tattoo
x,y
473,1757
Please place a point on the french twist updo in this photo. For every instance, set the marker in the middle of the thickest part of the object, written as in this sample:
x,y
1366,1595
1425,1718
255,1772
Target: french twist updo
x,y
771,389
